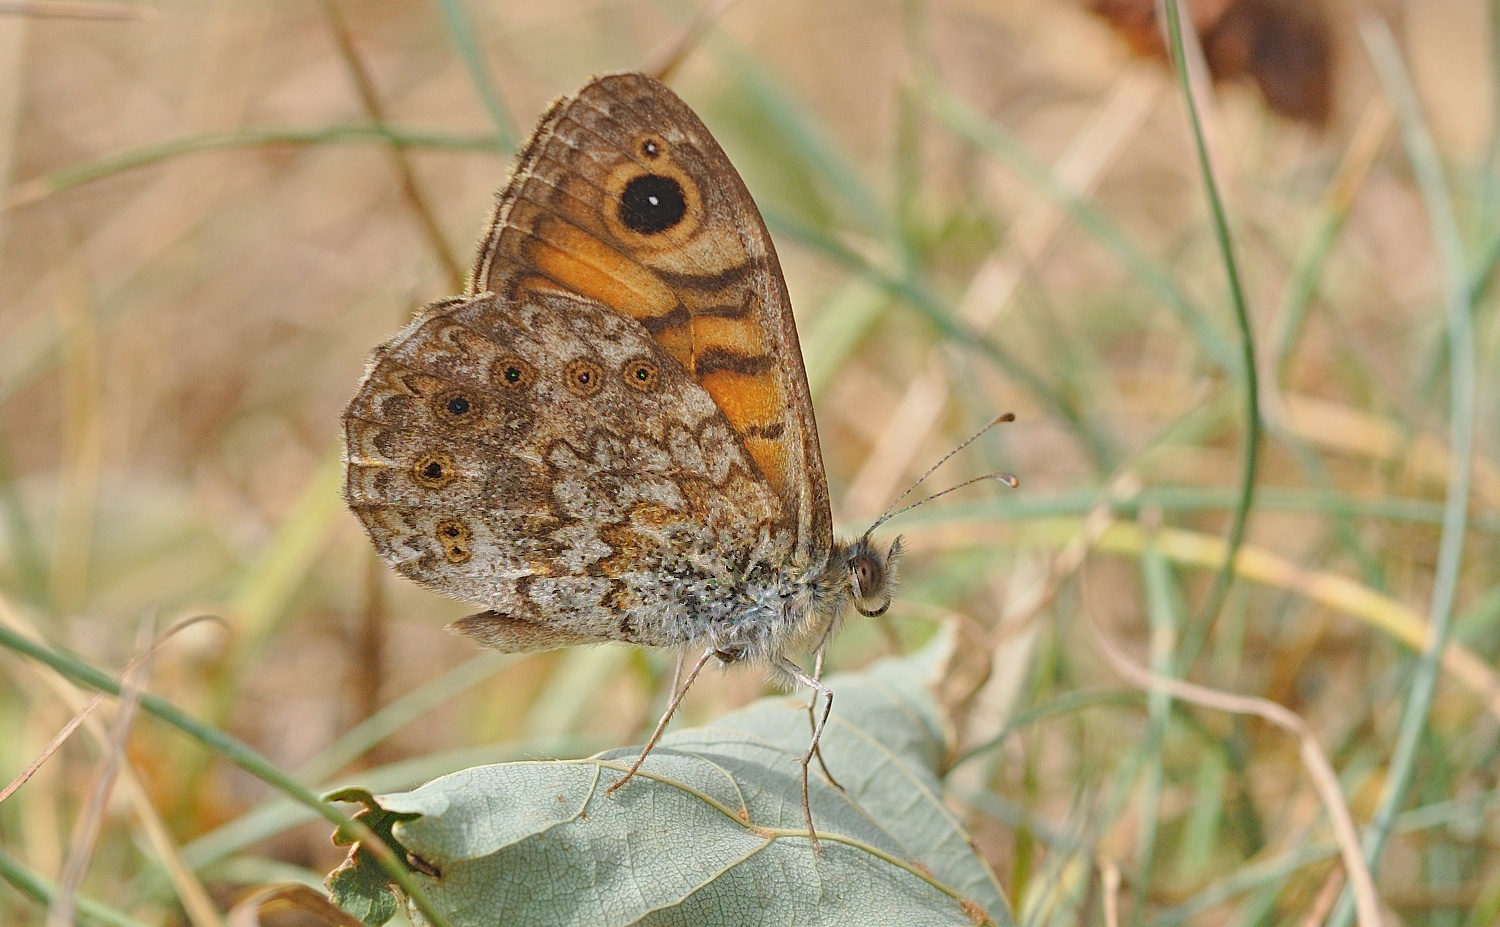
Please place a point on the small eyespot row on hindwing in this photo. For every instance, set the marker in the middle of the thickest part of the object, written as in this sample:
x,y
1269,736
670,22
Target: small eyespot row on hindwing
x,y
583,378
434,470
453,536
652,147
458,407
641,373
512,373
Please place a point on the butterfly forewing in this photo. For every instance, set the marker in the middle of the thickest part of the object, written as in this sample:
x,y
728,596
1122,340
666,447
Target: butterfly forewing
x,y
623,196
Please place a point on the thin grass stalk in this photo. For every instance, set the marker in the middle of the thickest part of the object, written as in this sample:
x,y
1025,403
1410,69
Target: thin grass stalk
x,y
1276,870
42,892
85,836
461,30
916,294
999,143
406,174
1385,54
1314,761
95,169
1335,206
1201,627
1079,502
374,729
237,752
1156,578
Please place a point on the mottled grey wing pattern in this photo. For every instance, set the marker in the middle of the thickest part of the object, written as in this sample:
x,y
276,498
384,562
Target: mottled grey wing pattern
x,y
548,460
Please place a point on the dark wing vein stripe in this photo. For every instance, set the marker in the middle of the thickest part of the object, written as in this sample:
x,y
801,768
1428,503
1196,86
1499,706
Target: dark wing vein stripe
x,y
767,432
677,317
719,280
714,360
730,310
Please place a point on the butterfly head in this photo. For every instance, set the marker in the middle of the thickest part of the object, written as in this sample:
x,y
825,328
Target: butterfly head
x,y
872,575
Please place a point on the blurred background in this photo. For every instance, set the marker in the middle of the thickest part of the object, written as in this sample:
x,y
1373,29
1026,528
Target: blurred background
x,y
211,212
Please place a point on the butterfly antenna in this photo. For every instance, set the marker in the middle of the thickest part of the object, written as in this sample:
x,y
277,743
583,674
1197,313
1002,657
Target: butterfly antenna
x,y
1006,478
887,515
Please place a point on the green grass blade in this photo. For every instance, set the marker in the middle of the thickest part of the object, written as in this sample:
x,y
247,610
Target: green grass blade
x,y
1427,166
41,891
1199,630
461,30
229,748
98,169
994,140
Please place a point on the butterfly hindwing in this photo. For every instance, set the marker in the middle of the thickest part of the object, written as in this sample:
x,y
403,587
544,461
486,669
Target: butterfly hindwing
x,y
548,460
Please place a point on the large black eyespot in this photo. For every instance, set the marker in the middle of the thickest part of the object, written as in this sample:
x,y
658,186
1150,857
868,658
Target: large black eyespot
x,y
652,203
583,378
512,373
434,470
641,373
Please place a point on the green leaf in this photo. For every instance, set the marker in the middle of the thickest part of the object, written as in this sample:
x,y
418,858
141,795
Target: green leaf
x,y
711,830
359,885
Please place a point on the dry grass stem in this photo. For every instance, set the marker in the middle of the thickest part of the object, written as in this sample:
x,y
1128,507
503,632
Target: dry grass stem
x,y
1330,589
998,280
1324,780
278,899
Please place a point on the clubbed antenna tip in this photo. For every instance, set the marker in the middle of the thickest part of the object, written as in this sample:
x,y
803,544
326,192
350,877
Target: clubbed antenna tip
x,y
1006,478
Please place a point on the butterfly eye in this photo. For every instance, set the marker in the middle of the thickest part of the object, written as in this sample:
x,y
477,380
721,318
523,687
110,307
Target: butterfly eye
x,y
512,373
642,374
434,470
868,582
453,536
652,203
583,378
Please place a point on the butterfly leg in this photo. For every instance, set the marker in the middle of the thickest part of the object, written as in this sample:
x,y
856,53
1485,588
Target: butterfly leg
x,y
661,725
677,670
812,716
798,673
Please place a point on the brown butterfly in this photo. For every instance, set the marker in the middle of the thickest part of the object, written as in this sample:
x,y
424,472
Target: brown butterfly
x,y
610,436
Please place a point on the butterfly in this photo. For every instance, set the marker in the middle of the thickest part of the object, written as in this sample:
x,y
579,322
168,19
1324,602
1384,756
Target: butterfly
x,y
610,436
